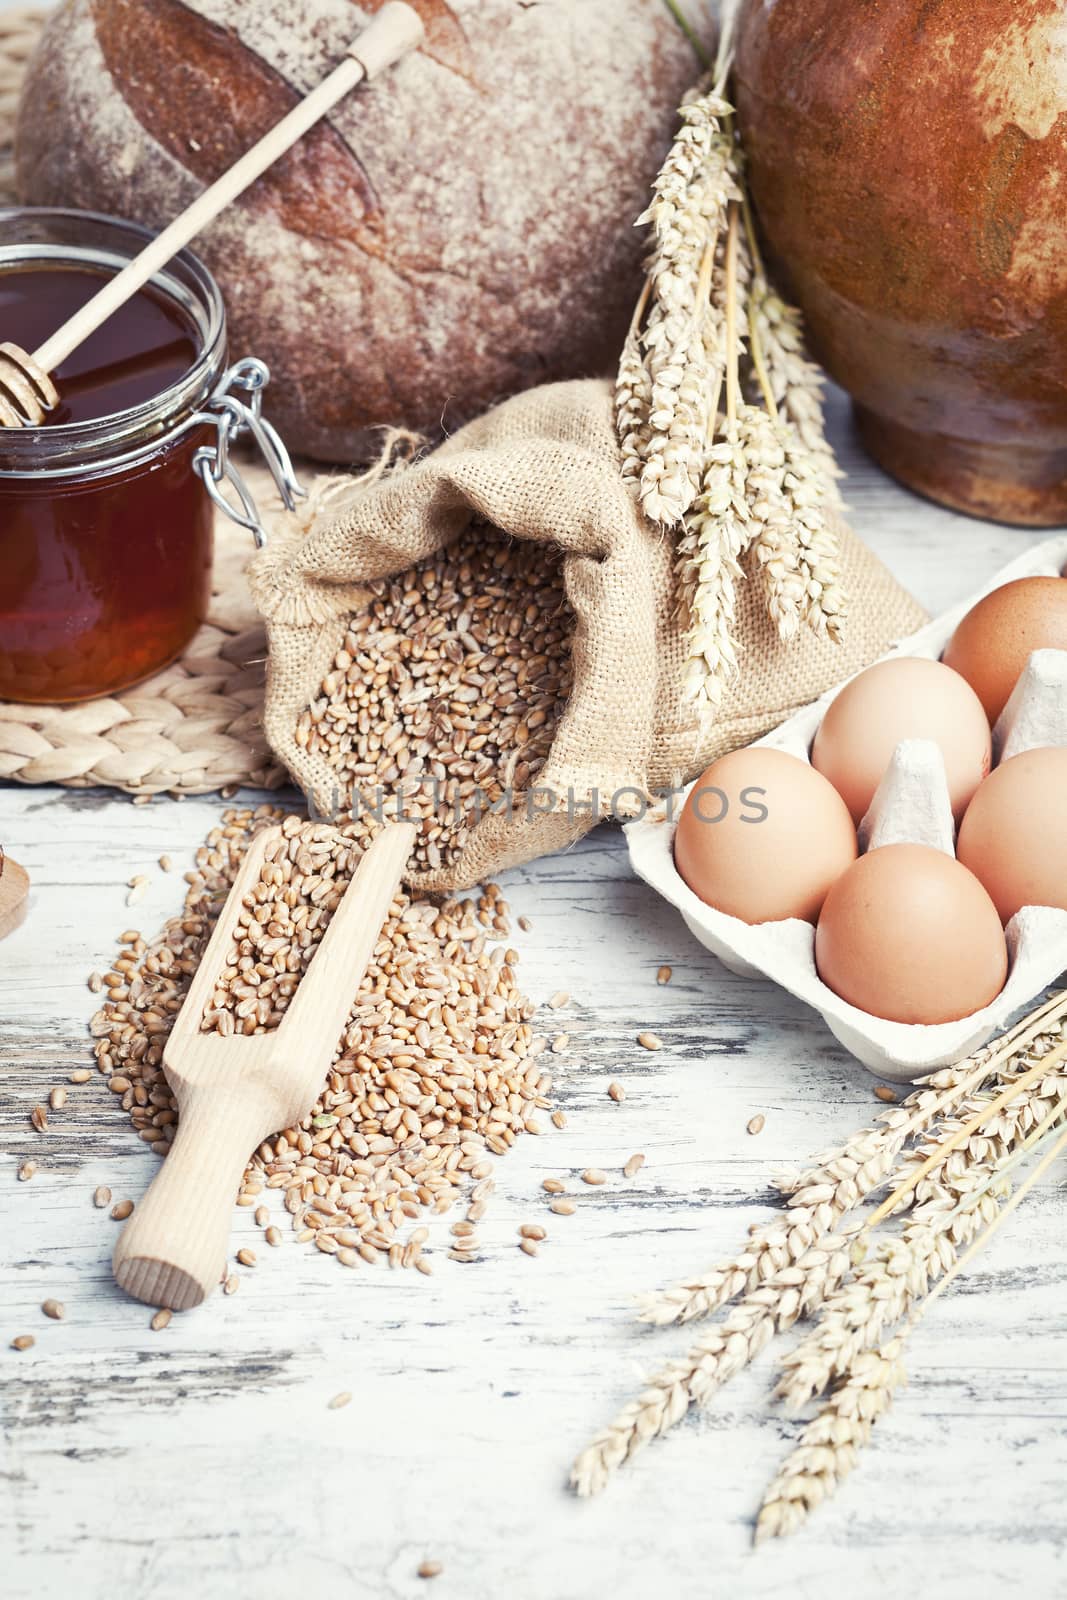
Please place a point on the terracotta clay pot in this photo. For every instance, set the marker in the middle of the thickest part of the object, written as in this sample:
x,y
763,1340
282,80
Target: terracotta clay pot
x,y
908,160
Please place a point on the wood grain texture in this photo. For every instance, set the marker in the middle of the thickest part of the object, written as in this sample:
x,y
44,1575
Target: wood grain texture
x,y
205,1460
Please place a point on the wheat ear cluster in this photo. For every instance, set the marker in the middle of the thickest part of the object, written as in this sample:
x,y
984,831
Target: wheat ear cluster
x,y
718,410
829,1446
859,1270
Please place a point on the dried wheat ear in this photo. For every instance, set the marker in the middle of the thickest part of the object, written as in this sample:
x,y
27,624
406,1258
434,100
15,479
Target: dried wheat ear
x,y
861,1274
718,411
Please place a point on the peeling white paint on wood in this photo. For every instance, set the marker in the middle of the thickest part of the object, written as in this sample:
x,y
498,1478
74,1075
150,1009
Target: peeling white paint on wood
x,y
204,1461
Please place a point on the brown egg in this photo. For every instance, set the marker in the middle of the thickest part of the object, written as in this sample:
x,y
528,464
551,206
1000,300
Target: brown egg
x,y
991,645
1014,835
762,836
908,697
908,934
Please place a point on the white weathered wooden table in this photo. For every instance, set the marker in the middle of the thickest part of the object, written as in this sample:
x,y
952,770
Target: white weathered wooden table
x,y
203,1461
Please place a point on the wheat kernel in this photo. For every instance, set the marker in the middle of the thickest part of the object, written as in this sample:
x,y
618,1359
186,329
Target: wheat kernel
x,y
664,975
594,1176
101,1197
161,1320
26,1171
381,1143
121,1210
633,1166
54,1309
757,1123
616,1092
563,1208
650,1041
23,1341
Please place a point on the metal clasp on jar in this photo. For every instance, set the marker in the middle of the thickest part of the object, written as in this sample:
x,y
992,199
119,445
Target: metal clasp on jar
x,y
235,410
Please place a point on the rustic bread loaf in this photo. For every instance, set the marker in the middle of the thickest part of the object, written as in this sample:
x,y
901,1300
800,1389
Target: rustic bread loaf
x,y
459,230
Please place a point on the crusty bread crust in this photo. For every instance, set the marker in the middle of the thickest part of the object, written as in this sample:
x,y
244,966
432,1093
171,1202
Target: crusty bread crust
x,y
456,232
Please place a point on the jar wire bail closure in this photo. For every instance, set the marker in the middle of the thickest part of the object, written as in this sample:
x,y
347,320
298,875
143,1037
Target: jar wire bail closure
x,y
235,419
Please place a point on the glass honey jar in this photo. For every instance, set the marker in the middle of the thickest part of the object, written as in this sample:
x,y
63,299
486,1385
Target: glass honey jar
x,y
107,510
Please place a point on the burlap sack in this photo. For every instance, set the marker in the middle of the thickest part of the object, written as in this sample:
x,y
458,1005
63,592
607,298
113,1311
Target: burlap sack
x,y
545,466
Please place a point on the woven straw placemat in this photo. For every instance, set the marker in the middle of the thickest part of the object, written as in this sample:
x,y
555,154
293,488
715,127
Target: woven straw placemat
x,y
194,728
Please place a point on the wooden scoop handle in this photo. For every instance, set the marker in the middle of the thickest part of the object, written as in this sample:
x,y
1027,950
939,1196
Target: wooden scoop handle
x,y
396,29
233,1093
172,1252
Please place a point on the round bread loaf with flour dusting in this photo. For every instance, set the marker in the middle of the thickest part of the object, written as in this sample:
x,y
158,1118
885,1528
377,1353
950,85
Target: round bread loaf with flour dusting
x,y
456,231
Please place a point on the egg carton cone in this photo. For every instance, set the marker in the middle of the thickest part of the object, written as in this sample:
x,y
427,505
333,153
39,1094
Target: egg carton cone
x,y
1036,713
912,805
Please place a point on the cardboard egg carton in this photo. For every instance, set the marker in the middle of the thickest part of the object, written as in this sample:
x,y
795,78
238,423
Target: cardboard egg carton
x,y
912,805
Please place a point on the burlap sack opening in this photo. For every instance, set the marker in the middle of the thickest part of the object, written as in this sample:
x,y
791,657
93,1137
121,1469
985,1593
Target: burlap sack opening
x,y
545,466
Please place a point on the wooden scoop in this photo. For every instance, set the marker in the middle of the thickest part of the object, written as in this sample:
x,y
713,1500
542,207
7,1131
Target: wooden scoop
x,y
26,389
14,893
234,1092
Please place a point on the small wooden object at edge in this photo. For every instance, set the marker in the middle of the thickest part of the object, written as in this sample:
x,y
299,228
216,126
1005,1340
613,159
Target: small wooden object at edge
x,y
14,894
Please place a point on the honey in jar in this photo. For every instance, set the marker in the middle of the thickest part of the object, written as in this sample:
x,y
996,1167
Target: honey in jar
x,y
105,526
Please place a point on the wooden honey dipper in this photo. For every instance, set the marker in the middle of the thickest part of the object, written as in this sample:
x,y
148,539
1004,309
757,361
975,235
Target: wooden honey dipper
x,y
27,392
233,1092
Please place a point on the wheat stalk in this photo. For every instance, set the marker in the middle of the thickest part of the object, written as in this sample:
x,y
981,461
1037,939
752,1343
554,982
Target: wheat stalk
x,y
795,383
835,1184
828,1447
959,1195
712,1361
679,346
856,1314
816,1209
762,475
817,1259
633,398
